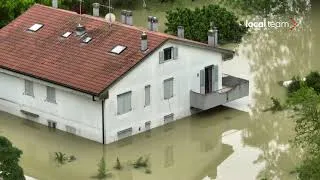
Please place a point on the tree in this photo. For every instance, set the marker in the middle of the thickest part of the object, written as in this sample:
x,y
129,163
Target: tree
x,y
306,103
9,161
313,80
9,9
197,23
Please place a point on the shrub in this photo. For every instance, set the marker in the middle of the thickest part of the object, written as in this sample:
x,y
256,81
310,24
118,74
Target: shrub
x,y
118,165
313,80
141,162
102,171
295,85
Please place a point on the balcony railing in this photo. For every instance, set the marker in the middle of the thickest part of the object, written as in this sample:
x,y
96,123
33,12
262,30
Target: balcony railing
x,y
233,88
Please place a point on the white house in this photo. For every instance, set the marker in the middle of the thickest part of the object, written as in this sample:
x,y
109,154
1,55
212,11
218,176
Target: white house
x,y
106,82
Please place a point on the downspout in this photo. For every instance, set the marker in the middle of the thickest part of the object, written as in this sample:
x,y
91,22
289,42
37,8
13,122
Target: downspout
x,y
103,136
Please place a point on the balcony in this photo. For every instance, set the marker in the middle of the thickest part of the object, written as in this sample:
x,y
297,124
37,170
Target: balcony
x,y
233,88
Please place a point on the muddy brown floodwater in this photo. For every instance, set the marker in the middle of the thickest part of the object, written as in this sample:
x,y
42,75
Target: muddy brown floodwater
x,y
221,143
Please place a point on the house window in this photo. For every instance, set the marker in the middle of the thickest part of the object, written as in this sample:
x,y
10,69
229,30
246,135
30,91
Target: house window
x,y
168,53
28,88
168,88
124,103
147,95
51,94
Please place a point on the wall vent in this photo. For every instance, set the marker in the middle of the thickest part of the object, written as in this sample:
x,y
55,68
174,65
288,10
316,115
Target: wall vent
x,y
52,124
71,129
124,133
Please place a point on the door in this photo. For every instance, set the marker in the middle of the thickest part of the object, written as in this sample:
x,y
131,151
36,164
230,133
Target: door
x,y
208,79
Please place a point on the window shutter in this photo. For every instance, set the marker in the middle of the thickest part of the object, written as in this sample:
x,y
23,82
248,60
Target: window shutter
x,y
51,94
171,88
124,103
28,88
147,96
168,88
161,57
129,102
202,81
175,53
165,90
215,78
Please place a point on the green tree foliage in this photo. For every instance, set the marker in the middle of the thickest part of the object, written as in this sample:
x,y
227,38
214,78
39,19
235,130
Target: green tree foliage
x,y
306,103
197,23
10,9
102,170
313,80
295,85
9,161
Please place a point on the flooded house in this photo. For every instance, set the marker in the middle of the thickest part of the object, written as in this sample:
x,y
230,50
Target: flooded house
x,y
106,81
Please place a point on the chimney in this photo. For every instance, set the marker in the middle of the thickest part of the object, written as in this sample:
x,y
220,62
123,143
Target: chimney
x,y
124,16
211,41
144,41
95,10
80,30
181,32
150,23
215,32
55,3
154,24
129,18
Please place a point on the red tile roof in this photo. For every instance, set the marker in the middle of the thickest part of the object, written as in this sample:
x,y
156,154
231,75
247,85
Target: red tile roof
x,y
88,68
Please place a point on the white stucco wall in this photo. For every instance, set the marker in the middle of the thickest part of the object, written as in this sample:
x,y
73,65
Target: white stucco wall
x,y
72,108
186,73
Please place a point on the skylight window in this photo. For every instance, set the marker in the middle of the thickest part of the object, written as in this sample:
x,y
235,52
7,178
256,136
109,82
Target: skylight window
x,y
67,34
118,49
35,27
87,39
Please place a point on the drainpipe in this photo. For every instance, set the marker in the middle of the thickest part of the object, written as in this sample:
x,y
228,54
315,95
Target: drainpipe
x,y
103,136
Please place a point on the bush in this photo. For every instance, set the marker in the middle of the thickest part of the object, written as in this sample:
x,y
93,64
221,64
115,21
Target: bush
x,y
102,171
141,162
9,161
118,165
197,23
295,85
313,80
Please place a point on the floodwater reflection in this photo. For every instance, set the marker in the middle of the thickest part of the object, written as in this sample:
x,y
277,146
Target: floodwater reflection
x,y
221,143
191,148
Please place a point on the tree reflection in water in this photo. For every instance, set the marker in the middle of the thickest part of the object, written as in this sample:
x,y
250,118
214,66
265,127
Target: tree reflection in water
x,y
275,55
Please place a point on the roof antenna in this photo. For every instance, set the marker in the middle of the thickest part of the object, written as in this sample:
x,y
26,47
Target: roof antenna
x,y
110,17
80,29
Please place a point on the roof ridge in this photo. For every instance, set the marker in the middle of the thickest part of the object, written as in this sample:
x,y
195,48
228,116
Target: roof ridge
x,y
141,29
52,8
